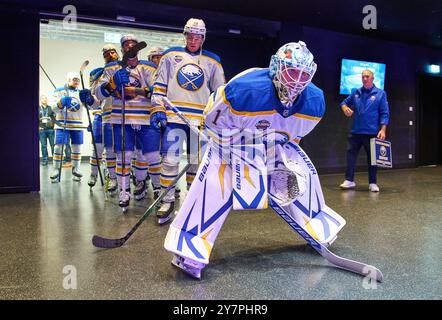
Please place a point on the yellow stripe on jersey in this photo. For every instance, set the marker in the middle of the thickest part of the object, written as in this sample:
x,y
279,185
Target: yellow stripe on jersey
x,y
202,56
159,89
194,105
304,116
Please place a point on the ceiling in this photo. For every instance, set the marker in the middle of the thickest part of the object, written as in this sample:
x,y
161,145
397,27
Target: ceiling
x,y
418,22
410,21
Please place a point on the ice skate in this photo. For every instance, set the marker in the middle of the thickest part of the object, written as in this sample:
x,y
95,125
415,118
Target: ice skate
x,y
76,174
177,192
156,193
112,186
164,213
140,190
190,267
124,200
92,181
54,176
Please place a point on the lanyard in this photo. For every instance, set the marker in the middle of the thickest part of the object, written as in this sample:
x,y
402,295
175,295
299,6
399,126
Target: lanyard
x,y
42,112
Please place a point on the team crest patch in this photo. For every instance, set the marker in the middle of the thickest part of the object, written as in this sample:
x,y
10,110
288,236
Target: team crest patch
x,y
372,98
178,59
262,125
75,105
190,77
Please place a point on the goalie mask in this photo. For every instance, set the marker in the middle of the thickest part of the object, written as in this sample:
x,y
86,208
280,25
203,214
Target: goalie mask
x,y
292,69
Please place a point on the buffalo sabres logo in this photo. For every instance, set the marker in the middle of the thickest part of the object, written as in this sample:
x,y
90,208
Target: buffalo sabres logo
x,y
190,77
75,105
383,151
276,137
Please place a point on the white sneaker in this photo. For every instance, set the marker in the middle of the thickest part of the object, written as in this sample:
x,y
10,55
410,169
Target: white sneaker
x,y
373,187
347,184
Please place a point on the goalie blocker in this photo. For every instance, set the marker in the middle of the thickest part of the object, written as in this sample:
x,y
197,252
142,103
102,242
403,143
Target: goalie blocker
x,y
242,183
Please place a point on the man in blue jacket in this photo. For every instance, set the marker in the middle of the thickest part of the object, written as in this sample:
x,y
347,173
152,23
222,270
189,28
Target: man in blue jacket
x,y
369,106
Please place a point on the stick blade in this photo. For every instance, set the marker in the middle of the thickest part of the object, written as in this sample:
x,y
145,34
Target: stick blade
x,y
84,65
353,266
101,242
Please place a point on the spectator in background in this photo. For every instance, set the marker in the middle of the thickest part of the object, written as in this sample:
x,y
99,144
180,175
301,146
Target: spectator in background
x,y
369,106
46,120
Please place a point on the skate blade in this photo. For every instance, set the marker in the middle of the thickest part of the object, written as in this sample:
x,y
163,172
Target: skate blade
x,y
194,273
164,220
140,196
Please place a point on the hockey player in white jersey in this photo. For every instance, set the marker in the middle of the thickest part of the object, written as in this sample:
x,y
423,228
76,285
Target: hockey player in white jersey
x,y
137,81
68,125
269,109
102,129
186,76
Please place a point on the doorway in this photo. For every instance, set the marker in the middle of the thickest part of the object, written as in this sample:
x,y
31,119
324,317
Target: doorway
x,y
429,126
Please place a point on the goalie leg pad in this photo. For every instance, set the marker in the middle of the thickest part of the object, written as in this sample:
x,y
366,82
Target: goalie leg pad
x,y
309,209
195,228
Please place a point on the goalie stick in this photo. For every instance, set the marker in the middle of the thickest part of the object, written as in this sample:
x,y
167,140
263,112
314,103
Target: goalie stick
x,y
101,242
340,262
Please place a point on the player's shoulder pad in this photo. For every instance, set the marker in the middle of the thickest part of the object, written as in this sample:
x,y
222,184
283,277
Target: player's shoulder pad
x,y
251,85
112,64
211,55
147,63
179,49
315,102
96,73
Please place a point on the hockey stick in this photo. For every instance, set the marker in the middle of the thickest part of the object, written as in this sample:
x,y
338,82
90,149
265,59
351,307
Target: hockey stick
x,y
340,262
66,88
83,66
131,53
101,242
47,76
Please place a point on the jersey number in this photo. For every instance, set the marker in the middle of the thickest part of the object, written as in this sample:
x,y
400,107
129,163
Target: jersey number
x,y
216,117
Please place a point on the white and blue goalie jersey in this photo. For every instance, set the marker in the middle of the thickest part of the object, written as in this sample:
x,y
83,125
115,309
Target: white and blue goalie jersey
x,y
250,102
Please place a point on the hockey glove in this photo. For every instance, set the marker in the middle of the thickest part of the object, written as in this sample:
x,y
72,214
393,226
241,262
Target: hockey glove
x,y
121,77
158,117
86,97
64,102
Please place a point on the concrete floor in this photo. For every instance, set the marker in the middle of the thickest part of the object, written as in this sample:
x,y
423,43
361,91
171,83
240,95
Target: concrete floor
x,y
257,256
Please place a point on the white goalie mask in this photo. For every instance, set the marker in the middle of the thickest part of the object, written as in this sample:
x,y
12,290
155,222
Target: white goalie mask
x,y
292,69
